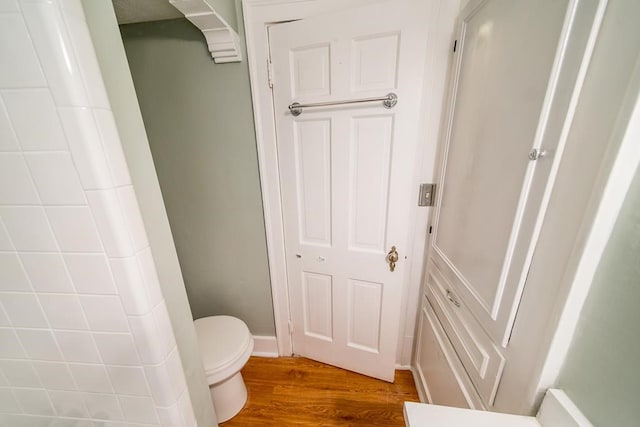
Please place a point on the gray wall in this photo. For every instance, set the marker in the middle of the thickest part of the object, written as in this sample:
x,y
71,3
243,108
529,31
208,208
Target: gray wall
x,y
199,121
601,372
113,63
227,9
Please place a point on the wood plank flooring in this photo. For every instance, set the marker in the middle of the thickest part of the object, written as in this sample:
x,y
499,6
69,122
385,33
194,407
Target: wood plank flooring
x,y
296,391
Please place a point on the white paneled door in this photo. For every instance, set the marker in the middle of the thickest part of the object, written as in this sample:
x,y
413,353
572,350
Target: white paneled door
x,y
347,177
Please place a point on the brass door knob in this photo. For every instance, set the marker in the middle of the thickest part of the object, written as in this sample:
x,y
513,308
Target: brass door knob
x,y
392,258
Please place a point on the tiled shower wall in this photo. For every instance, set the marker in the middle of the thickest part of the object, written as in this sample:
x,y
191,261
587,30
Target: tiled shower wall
x,y
85,337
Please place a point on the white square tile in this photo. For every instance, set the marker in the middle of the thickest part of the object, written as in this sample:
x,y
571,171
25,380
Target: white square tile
x,y
25,68
166,379
166,337
16,185
86,147
163,391
186,408
12,275
104,313
90,273
54,375
133,217
64,422
129,380
138,409
150,275
23,420
131,285
63,311
91,378
78,346
112,147
176,373
39,344
56,178
5,240
54,49
170,416
111,223
147,338
117,349
10,348
111,423
29,228
68,404
103,406
8,402
9,6
35,119
88,63
20,373
47,272
23,310
75,229
34,401
8,140
4,319
3,380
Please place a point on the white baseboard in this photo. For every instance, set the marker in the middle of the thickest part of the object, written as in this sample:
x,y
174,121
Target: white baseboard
x,y
421,385
265,346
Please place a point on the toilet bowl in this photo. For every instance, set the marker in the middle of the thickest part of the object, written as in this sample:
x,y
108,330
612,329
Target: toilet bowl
x,y
225,346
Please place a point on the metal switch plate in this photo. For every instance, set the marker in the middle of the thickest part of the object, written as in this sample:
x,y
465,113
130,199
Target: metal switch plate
x,y
426,195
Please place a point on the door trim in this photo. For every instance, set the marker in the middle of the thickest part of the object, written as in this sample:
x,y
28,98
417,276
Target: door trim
x,y
258,14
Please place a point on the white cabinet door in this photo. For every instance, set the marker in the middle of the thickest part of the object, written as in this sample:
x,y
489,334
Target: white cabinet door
x,y
440,371
515,75
346,173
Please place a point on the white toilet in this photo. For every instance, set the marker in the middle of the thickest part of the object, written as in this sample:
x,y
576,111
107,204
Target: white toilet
x,y
225,346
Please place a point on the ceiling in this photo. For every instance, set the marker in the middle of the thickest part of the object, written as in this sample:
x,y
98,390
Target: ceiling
x,y
131,11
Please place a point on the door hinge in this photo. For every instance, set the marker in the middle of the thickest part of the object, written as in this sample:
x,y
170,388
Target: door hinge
x,y
455,44
270,72
430,229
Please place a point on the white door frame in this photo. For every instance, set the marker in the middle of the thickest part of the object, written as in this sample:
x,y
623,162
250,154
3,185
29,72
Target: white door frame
x,y
258,14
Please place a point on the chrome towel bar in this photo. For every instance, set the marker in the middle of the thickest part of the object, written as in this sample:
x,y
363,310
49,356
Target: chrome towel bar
x,y
388,101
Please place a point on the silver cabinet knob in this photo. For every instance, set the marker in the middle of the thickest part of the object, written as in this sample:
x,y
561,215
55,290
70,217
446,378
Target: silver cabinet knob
x,y
536,154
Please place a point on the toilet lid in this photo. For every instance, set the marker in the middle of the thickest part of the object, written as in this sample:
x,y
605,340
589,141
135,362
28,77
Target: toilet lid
x,y
222,339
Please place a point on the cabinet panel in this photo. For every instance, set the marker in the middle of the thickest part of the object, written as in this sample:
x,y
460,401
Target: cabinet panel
x,y
481,358
440,370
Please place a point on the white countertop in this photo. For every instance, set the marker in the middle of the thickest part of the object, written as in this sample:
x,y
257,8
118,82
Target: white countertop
x,y
426,415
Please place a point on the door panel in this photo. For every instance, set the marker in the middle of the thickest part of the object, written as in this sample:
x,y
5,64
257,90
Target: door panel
x,y
313,172
310,70
495,121
375,60
515,74
317,303
346,176
370,154
365,300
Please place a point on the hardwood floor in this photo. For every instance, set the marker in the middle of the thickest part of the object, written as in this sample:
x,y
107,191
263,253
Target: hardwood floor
x,y
297,391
